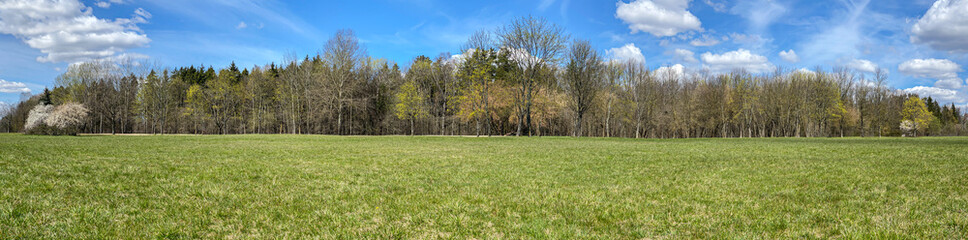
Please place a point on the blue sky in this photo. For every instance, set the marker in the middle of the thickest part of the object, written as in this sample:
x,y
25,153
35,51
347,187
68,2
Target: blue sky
x,y
919,42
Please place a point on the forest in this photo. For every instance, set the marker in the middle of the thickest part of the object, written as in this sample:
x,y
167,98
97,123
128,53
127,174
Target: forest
x,y
527,78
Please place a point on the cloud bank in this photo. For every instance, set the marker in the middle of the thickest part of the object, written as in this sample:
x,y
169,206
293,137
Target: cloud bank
x,y
661,18
68,31
739,59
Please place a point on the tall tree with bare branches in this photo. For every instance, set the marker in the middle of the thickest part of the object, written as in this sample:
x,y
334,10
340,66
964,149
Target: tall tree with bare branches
x,y
582,79
537,46
343,55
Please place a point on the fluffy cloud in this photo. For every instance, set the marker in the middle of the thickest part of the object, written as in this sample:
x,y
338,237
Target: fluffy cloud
x,y
12,87
950,83
521,56
941,94
661,18
862,65
107,4
746,39
930,68
675,71
789,56
719,6
626,53
241,25
68,31
684,55
805,71
944,26
739,59
948,88
458,59
704,42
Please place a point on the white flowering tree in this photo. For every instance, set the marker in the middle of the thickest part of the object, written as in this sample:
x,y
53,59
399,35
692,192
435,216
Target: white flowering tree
x,y
67,117
37,116
908,127
63,119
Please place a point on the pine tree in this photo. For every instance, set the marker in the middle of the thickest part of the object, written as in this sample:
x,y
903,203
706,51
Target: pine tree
x,y
45,98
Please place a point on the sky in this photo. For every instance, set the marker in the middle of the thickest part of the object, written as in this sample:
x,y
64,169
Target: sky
x,y
922,44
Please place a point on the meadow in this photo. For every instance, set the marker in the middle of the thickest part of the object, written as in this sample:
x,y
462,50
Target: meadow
x,y
355,187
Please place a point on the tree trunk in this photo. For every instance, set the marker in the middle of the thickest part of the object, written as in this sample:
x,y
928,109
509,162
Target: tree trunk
x,y
487,113
638,127
608,117
577,130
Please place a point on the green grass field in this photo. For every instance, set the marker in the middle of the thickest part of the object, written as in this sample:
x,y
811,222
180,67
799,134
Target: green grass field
x,y
279,186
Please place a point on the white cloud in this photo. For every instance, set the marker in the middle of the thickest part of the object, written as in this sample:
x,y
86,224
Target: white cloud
x,y
521,56
944,26
940,94
704,42
789,56
68,31
140,16
739,38
930,68
241,25
675,71
862,65
719,6
661,18
125,57
684,55
107,4
950,83
626,53
739,59
12,87
805,70
458,59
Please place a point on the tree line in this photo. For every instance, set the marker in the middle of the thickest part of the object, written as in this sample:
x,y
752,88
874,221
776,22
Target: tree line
x,y
527,78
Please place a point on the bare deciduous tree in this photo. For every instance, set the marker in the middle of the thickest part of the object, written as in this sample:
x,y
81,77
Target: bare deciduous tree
x,y
582,79
343,56
537,46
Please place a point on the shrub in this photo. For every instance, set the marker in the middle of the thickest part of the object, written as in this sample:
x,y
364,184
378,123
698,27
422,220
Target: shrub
x,y
67,117
909,128
37,116
61,120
